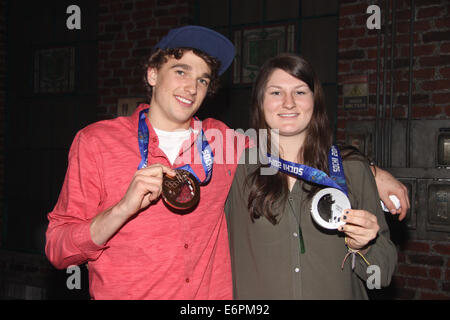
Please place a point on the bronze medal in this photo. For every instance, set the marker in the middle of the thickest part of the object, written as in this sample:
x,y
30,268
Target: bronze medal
x,y
181,192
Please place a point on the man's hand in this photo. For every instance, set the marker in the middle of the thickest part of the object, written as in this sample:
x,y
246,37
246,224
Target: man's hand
x,y
387,185
145,187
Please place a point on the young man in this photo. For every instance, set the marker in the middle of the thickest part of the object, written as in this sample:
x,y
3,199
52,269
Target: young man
x,y
110,213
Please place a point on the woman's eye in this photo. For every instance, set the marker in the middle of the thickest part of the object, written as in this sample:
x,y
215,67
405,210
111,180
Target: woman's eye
x,y
204,82
275,93
180,72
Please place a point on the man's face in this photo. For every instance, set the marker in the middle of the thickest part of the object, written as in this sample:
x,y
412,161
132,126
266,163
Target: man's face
x,y
179,87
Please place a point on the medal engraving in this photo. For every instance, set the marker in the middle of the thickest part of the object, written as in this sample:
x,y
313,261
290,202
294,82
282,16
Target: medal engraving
x,y
327,207
181,192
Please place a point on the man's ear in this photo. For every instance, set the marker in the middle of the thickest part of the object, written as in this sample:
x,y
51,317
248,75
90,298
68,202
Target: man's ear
x,y
152,75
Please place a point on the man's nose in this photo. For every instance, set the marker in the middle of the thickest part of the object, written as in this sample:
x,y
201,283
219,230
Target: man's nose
x,y
191,86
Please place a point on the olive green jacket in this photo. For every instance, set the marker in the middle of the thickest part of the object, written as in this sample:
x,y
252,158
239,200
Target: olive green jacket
x,y
267,261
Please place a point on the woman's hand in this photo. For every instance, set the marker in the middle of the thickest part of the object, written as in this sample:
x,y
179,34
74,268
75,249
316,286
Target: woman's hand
x,y
360,227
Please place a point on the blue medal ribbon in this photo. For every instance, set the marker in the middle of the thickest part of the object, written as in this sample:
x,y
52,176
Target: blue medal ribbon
x,y
203,148
336,179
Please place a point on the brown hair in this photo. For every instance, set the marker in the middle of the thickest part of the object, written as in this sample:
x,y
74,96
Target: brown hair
x,y
266,190
160,56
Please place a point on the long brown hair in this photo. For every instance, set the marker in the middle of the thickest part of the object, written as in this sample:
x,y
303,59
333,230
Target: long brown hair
x,y
267,190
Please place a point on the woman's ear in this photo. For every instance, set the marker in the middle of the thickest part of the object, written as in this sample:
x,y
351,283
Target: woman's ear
x,y
152,75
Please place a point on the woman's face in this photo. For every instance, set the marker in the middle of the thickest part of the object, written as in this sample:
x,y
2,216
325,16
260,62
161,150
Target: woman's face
x,y
288,104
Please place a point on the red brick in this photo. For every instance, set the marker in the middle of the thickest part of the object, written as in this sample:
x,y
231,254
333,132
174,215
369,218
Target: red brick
x,y
447,274
422,283
434,85
412,271
345,44
441,98
147,23
423,50
435,273
365,65
373,53
404,38
419,98
144,14
443,248
442,23
399,112
121,17
421,26
145,4
347,10
403,15
416,246
113,27
167,21
446,286
424,73
179,11
137,35
436,36
445,47
345,22
438,60
344,67
422,112
403,86
351,54
367,42
431,12
445,72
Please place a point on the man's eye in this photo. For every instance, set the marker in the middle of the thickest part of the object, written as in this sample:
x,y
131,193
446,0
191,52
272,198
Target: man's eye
x,y
275,93
180,72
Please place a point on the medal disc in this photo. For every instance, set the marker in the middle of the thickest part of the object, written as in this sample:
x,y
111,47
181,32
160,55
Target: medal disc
x,y
327,207
181,192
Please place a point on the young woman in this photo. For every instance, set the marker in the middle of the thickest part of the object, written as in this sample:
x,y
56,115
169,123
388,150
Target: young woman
x,y
277,250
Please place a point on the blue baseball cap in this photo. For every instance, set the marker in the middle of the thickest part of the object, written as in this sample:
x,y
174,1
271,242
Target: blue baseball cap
x,y
201,38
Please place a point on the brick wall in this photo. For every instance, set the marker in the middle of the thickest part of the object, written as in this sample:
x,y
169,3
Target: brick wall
x,y
423,271
127,32
431,63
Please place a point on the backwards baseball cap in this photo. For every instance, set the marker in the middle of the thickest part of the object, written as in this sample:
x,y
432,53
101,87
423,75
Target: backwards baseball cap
x,y
201,38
